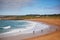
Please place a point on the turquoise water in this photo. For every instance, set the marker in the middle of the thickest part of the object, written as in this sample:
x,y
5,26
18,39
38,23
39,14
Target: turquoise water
x,y
17,27
8,25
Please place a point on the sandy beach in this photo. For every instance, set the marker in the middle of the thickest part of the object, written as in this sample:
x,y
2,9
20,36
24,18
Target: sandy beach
x,y
51,21
29,19
52,36
30,36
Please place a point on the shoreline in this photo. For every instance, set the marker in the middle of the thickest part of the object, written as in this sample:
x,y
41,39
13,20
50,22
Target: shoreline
x,y
46,30
52,36
55,22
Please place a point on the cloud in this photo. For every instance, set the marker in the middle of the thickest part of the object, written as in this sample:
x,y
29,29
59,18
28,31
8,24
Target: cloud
x,y
13,4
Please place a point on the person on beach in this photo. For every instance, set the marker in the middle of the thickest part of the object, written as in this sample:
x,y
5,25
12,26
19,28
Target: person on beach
x,y
41,30
33,32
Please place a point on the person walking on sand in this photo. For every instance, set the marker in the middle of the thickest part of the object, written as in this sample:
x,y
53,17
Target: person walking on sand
x,y
33,32
41,30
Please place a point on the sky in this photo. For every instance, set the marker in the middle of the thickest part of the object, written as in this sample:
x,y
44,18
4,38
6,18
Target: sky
x,y
24,7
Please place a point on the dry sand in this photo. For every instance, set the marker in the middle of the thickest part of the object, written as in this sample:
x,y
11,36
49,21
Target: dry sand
x,y
52,36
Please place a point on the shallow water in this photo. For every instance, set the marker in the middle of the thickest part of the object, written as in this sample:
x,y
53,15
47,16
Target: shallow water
x,y
7,25
20,27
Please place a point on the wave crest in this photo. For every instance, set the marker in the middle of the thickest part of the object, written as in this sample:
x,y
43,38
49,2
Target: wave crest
x,y
7,27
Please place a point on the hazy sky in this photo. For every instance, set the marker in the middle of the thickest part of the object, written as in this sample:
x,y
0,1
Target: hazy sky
x,y
22,7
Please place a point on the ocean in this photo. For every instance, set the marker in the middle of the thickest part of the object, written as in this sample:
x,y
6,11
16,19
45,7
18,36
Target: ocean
x,y
8,25
20,27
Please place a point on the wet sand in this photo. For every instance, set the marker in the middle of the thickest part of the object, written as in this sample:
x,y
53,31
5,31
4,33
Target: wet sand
x,y
52,36
39,30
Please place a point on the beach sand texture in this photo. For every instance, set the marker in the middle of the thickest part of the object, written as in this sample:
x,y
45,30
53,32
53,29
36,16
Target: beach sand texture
x,y
52,36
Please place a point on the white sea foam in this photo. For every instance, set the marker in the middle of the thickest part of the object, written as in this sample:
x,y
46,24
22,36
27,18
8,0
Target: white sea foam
x,y
29,26
7,27
32,26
